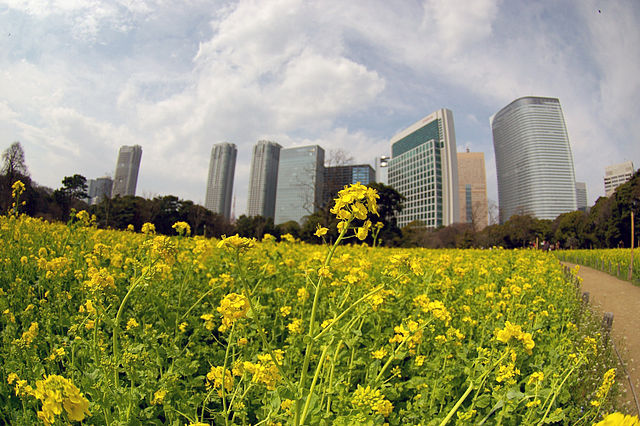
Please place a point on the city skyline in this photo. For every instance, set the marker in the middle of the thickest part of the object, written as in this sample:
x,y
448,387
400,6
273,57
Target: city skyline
x,y
81,79
534,162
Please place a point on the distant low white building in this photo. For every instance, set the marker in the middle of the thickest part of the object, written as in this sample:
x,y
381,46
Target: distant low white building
x,y
615,175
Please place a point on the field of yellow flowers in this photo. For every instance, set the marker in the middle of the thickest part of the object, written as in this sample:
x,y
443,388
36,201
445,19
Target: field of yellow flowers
x,y
130,327
616,262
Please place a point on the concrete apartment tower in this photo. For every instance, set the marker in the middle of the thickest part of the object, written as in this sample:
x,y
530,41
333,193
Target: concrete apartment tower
x,y
127,168
534,163
472,189
424,169
615,175
300,183
263,179
222,167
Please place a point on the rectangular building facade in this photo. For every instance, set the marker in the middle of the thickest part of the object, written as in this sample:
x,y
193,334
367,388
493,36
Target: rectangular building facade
x,y
300,183
222,168
581,196
337,177
127,168
263,179
424,169
472,189
99,189
615,175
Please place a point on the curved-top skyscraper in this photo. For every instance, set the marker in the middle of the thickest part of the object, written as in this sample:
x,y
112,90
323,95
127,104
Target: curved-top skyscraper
x,y
533,159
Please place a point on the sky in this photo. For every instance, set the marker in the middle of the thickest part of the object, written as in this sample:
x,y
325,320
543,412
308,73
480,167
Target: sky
x,y
80,78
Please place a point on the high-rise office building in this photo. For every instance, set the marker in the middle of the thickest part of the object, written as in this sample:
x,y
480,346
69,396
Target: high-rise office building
x,y
300,183
424,169
382,169
615,175
99,189
533,159
337,177
222,167
472,189
127,168
581,196
263,179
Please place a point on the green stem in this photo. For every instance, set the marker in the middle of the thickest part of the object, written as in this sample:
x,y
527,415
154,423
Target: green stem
x,y
314,309
458,404
313,382
116,328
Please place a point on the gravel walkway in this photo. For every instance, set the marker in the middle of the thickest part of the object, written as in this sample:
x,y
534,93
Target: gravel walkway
x,y
609,294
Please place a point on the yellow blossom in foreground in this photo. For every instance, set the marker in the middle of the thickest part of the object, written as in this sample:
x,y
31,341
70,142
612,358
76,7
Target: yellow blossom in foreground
x,y
235,242
232,307
56,393
215,378
379,354
371,399
515,331
619,419
182,228
607,381
148,228
321,231
295,326
158,397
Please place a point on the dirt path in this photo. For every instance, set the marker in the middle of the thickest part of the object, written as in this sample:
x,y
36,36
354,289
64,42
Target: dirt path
x,y
609,294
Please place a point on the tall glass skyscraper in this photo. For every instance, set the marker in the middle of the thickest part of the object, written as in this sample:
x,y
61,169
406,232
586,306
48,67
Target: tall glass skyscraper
x,y
533,159
424,168
126,177
222,167
300,183
263,179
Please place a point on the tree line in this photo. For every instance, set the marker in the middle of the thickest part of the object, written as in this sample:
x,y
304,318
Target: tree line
x,y
606,225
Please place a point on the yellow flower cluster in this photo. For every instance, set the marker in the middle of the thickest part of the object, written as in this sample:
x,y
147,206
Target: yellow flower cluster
x,y
215,377
435,308
57,393
295,326
17,189
236,242
99,280
148,228
371,399
619,419
182,228
515,331
29,336
232,307
411,333
354,202
607,381
265,370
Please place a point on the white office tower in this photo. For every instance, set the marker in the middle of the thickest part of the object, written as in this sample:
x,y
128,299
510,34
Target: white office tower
x,y
424,169
534,163
126,176
300,183
222,167
615,175
263,179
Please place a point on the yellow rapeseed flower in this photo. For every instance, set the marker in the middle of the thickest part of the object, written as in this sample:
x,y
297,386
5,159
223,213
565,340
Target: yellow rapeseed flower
x,y
619,419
